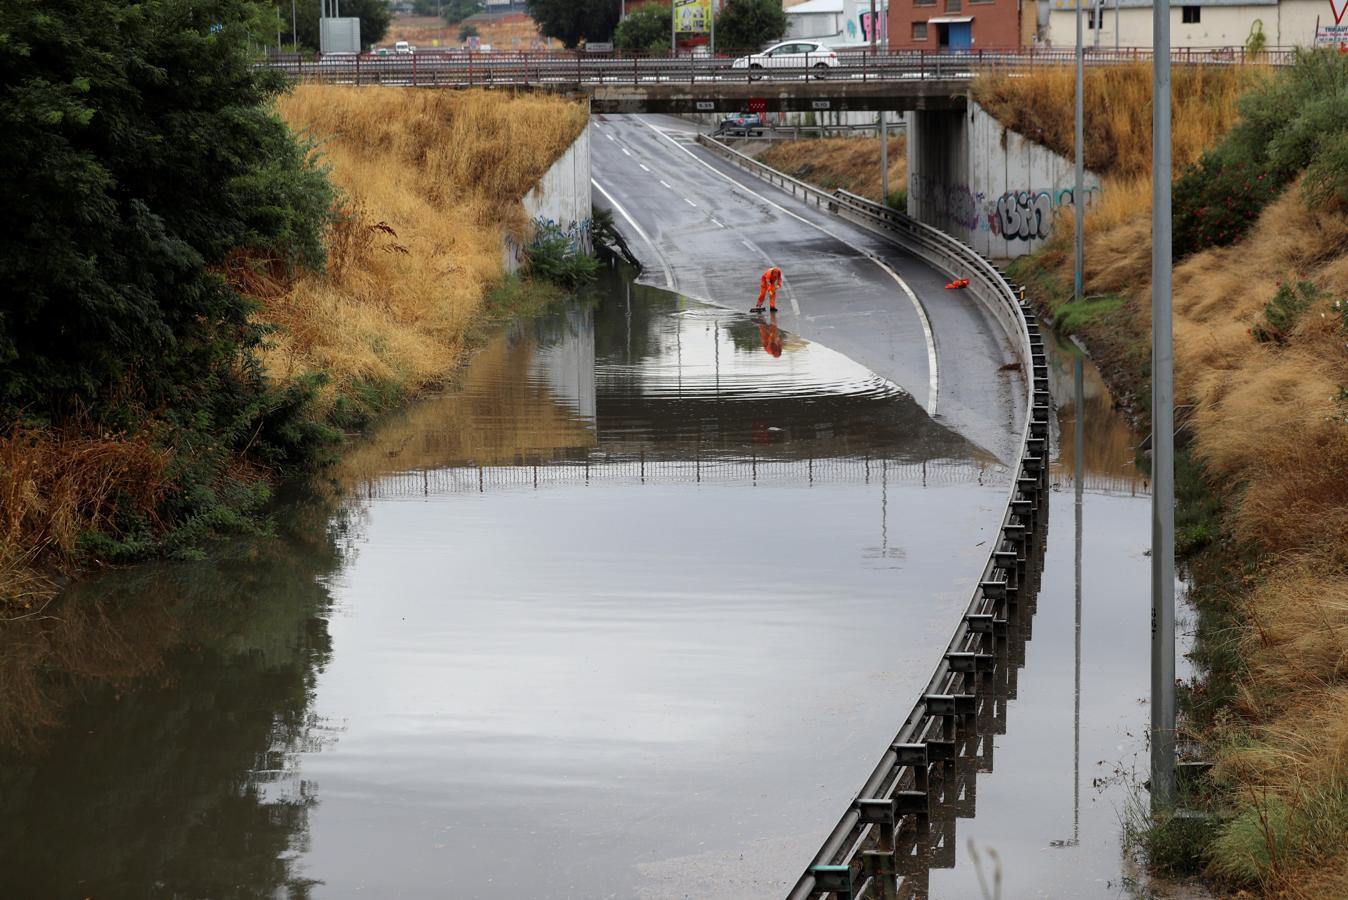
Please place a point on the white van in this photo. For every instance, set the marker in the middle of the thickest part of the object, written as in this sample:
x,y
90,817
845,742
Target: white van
x,y
402,47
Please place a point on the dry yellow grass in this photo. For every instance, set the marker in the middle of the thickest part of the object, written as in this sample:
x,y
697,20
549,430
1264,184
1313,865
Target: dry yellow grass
x,y
849,163
510,32
1118,147
55,486
432,180
1118,110
1269,425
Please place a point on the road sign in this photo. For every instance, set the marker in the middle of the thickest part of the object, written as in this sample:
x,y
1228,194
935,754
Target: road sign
x,y
756,105
825,104
705,105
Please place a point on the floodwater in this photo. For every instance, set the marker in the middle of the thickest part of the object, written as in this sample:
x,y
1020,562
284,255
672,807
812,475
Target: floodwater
x,y
629,613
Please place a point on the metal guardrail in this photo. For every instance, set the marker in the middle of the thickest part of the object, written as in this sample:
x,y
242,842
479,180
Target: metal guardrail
x,y
572,70
889,823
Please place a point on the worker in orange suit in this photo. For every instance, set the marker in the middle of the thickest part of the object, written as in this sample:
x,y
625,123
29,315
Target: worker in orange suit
x,y
769,335
767,287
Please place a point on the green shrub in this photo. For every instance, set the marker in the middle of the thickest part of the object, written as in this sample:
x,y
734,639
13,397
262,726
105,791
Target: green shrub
x,y
558,254
1295,121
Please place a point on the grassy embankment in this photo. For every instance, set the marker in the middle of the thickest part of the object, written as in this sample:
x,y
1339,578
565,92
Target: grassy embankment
x,y
852,164
429,182
1263,517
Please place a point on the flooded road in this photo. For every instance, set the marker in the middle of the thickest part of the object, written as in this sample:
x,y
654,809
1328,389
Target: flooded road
x,y
630,613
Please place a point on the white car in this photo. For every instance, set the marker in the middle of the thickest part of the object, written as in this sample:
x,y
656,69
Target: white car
x,y
403,47
790,55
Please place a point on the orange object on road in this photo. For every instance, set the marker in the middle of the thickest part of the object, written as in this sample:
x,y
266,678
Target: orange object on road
x,y
768,283
957,283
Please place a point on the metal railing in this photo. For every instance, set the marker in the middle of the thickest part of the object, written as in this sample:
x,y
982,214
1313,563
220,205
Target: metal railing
x,y
882,835
640,468
561,70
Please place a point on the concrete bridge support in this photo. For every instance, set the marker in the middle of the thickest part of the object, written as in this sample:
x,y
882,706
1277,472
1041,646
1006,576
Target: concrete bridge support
x,y
984,184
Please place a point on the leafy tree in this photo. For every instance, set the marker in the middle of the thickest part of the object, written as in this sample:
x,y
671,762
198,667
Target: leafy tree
x,y
570,20
750,24
645,29
141,161
373,14
467,31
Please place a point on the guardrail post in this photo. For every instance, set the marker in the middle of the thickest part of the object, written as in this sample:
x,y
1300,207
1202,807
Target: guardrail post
x,y
837,880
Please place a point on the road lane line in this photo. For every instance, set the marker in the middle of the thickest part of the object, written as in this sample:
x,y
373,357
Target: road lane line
x,y
689,202
933,381
626,151
666,184
643,167
669,273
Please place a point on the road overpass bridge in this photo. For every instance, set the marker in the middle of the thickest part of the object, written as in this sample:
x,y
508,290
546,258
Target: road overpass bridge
x,y
626,83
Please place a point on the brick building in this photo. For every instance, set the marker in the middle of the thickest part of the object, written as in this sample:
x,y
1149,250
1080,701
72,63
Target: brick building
x,y
960,24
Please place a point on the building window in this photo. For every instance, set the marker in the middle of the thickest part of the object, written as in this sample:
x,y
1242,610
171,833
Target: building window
x,y
1191,15
924,2
919,31
1094,18
952,6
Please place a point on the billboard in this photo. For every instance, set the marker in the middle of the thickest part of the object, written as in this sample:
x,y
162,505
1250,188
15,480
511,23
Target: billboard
x,y
339,35
692,16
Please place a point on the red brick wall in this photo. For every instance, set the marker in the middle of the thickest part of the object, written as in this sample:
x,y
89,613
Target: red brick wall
x,y
995,25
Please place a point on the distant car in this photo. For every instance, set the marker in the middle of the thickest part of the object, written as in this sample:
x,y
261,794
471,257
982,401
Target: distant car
x,y
790,55
742,123
403,47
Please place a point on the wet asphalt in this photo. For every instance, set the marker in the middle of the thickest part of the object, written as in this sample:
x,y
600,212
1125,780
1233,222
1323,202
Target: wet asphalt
x,y
707,229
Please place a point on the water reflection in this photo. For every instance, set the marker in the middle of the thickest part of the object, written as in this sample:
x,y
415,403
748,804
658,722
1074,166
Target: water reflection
x,y
634,604
152,722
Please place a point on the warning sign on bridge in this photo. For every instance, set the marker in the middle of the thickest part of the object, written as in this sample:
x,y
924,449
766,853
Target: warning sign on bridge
x,y
760,105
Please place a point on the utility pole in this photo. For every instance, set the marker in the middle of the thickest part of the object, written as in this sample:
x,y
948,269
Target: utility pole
x,y
884,156
873,30
713,28
294,28
1078,189
1162,428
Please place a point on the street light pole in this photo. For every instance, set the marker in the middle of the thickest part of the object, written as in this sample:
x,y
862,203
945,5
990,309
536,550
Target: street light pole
x,y
884,154
1162,428
1079,186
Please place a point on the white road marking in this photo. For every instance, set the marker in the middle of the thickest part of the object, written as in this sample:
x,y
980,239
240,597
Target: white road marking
x,y
718,223
933,381
669,273
607,135
626,151
643,167
666,184
689,202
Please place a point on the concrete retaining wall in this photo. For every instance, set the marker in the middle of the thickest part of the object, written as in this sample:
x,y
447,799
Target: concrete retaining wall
x,y
562,196
987,185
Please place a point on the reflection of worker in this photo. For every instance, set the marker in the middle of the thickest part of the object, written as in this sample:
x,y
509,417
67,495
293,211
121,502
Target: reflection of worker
x,y
767,287
769,335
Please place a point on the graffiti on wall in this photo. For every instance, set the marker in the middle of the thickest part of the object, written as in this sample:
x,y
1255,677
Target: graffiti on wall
x,y
1028,215
955,203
